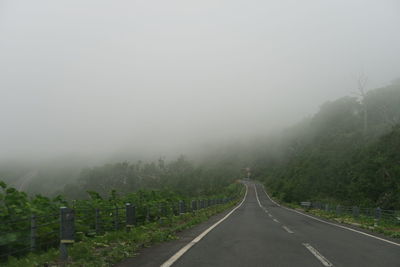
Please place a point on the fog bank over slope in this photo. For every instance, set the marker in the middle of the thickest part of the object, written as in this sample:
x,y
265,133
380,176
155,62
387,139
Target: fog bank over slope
x,y
146,78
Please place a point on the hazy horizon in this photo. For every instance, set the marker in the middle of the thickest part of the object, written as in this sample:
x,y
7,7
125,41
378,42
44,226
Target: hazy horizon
x,y
97,79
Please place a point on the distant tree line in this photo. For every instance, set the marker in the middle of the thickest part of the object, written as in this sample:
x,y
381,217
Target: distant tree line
x,y
347,153
180,176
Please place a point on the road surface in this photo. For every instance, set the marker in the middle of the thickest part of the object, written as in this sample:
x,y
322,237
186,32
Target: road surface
x,y
262,233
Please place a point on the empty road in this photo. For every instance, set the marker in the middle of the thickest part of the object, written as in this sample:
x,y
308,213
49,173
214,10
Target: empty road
x,y
261,233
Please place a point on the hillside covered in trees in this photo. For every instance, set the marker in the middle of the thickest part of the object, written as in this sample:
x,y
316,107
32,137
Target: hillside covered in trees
x,y
347,153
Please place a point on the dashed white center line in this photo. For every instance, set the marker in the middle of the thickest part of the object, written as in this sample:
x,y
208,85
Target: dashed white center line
x,y
261,206
318,255
334,224
287,229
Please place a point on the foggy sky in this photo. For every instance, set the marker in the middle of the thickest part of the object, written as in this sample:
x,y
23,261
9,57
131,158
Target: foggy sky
x,y
96,77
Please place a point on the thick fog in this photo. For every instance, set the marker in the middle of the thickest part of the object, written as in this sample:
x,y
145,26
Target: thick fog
x,y
95,78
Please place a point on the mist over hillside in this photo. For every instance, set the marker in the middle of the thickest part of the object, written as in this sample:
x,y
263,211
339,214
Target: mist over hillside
x,y
93,83
125,123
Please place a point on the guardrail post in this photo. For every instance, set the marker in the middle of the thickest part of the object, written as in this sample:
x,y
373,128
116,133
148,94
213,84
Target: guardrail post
x,y
98,222
130,215
327,207
181,207
378,213
67,231
356,211
33,232
338,210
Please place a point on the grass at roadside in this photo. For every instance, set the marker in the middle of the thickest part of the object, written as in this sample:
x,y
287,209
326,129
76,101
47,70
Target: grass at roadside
x,y
387,228
384,227
115,246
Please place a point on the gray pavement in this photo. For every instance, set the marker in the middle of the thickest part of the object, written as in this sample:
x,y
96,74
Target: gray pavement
x,y
261,233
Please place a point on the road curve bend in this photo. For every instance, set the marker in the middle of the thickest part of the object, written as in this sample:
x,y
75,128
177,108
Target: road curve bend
x,y
261,233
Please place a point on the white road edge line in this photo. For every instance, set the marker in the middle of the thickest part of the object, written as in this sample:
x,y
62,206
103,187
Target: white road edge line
x,y
334,224
287,229
275,220
182,251
318,255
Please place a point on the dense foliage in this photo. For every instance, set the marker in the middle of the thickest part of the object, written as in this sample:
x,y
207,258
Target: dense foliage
x,y
337,155
93,215
114,246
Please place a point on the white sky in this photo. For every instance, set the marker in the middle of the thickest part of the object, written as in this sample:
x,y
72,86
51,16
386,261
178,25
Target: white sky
x,y
95,76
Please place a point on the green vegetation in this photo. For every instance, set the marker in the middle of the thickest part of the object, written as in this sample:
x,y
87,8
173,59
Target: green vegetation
x,y
336,157
99,213
347,154
115,246
387,228
387,225
180,176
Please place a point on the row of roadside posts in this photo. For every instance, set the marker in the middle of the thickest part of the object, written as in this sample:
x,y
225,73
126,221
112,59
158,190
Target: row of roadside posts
x,y
376,213
67,221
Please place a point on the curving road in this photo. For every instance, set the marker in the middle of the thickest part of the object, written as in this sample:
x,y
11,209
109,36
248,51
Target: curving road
x,y
262,233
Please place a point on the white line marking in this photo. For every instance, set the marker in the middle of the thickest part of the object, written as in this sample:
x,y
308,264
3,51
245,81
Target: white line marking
x,y
182,251
334,224
318,255
261,206
288,230
258,200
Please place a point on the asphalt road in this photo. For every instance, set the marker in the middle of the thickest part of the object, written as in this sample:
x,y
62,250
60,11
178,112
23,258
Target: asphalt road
x,y
273,236
261,233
